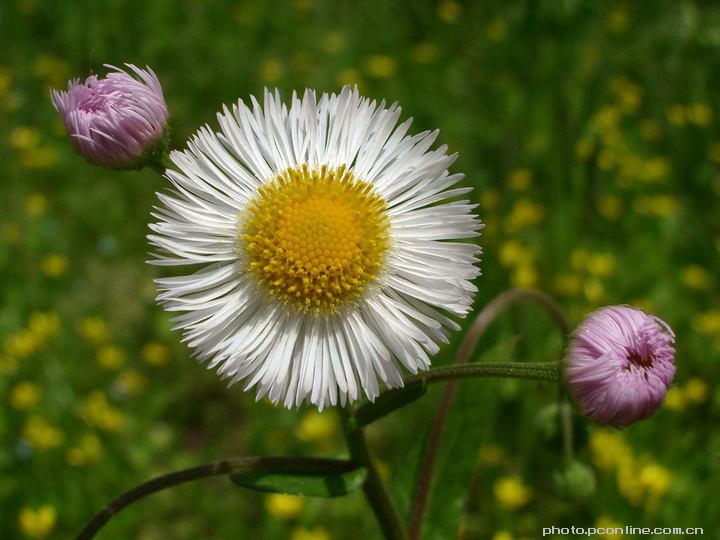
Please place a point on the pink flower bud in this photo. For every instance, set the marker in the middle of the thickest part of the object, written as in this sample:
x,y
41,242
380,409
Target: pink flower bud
x,y
619,364
117,121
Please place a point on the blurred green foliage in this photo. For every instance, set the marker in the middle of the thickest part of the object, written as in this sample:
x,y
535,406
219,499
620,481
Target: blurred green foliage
x,y
590,132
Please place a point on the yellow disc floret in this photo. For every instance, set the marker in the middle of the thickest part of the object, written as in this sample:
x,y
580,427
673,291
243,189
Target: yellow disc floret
x,y
315,237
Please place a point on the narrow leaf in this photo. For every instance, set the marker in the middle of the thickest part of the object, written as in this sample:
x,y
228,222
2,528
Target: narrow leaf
x,y
311,477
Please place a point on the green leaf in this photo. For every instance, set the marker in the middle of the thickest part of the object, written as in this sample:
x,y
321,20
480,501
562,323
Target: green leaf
x,y
387,403
311,477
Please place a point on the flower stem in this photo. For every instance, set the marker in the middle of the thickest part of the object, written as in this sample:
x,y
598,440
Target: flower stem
x,y
374,488
545,372
217,468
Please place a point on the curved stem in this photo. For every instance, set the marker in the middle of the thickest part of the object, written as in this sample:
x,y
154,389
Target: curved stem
x,y
374,488
476,330
217,468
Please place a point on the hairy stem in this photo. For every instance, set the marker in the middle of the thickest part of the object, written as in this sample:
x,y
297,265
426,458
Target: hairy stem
x,y
374,488
217,468
476,330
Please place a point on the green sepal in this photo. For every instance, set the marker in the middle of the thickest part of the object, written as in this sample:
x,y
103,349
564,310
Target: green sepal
x,y
388,402
310,477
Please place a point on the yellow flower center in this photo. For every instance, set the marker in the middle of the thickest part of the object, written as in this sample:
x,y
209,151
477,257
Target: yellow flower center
x,y
315,237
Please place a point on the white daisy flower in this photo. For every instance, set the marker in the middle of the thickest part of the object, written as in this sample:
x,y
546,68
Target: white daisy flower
x,y
320,236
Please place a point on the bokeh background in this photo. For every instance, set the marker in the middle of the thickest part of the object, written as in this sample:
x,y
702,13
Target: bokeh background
x,y
591,133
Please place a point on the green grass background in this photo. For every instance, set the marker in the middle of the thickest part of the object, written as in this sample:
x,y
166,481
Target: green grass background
x,y
589,131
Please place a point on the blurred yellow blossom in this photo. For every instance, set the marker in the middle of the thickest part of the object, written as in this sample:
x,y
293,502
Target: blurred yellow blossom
x,y
594,291
708,323
42,157
425,53
271,71
650,129
36,204
25,395
520,179
40,433
699,114
94,329
317,428
54,265
110,357
87,452
318,533
130,382
448,11
44,326
696,390
568,284
284,507
491,455
606,523
502,535
675,399
333,42
654,169
511,493
524,214
608,448
37,523
10,232
658,205
97,412
349,76
513,253
24,137
584,148
21,344
380,66
156,353
489,198
610,206
497,30
524,276
676,114
714,152
696,277
601,264
618,20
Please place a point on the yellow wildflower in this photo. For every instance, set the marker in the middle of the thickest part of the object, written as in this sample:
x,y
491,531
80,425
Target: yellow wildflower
x,y
610,206
25,396
110,357
607,523
524,276
618,20
675,399
271,71
601,264
36,204
696,277
491,455
699,114
97,412
284,507
44,326
89,451
318,533
94,329
448,11
511,493
696,390
568,284
54,265
24,137
130,382
40,433
677,115
502,535
156,353
380,66
37,523
317,428
608,448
